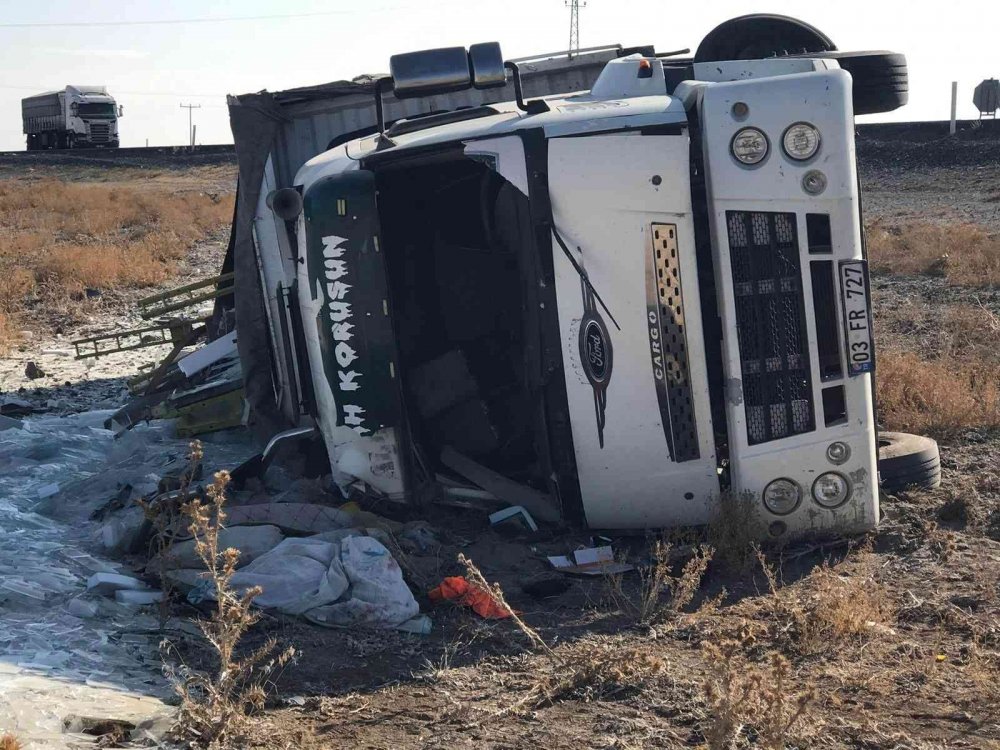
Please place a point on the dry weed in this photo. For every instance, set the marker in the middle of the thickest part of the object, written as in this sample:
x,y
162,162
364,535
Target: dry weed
x,y
964,254
941,398
830,607
9,742
747,699
214,707
584,670
645,603
731,531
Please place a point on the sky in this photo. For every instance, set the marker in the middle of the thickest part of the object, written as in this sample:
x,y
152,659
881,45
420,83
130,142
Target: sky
x,y
155,56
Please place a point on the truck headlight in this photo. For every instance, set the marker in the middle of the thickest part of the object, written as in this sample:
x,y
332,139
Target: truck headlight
x,y
782,496
831,490
800,141
749,146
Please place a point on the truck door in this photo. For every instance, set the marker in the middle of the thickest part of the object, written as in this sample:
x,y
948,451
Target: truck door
x,y
348,331
630,318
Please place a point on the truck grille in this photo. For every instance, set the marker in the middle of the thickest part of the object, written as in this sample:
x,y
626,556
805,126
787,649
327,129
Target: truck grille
x,y
770,324
100,132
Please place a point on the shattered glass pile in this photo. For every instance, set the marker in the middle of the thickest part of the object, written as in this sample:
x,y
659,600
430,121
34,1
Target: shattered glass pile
x,y
64,651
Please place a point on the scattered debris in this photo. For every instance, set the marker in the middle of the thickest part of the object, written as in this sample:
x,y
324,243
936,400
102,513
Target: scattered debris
x,y
590,561
250,541
460,591
125,596
538,503
9,423
514,515
108,583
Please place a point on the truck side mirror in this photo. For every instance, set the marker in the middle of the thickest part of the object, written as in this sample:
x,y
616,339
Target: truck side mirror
x,y
121,110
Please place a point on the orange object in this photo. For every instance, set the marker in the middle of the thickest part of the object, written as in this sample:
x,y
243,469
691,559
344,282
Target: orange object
x,y
457,589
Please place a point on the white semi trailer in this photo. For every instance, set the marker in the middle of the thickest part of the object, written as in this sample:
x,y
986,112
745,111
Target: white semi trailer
x,y
73,117
640,300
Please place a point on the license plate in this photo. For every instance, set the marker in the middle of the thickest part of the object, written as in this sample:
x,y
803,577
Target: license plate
x,y
854,293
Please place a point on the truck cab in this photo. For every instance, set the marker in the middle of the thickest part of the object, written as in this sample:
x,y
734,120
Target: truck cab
x,y
636,302
74,117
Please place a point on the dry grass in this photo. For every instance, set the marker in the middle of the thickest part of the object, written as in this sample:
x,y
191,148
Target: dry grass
x,y
9,742
941,398
59,238
965,254
214,707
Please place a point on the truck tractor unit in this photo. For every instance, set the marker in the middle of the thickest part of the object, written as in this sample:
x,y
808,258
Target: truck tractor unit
x,y
627,307
75,117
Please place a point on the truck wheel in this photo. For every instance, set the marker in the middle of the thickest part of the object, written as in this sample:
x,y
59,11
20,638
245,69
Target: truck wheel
x,y
761,35
908,461
881,82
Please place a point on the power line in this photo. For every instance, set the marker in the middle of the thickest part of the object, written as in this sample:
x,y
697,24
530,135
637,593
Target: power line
x,y
168,21
173,94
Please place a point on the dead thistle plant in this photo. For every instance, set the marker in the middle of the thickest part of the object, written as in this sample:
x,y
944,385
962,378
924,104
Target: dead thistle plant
x,y
742,695
214,707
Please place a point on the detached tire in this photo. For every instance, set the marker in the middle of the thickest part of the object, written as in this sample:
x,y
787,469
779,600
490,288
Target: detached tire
x,y
908,462
761,35
881,81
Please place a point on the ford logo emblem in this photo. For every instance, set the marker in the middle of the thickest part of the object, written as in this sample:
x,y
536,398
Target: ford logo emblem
x,y
595,351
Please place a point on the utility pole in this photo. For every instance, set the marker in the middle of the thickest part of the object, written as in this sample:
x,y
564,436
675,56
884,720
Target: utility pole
x,y
190,107
574,25
954,106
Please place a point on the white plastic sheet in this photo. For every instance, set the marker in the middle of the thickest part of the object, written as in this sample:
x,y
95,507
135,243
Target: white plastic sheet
x,y
340,582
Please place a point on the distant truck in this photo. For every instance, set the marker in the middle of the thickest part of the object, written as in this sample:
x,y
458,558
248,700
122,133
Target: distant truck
x,y
74,117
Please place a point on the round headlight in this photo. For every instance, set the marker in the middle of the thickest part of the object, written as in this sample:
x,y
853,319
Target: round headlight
x,y
800,141
831,490
782,496
749,146
838,453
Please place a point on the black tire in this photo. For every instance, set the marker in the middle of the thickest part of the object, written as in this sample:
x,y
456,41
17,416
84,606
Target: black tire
x,y
761,35
881,81
908,462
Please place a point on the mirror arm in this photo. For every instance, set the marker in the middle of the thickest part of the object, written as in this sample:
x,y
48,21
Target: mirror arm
x,y
516,76
382,84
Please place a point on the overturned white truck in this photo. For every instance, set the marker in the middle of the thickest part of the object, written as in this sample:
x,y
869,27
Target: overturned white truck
x,y
635,290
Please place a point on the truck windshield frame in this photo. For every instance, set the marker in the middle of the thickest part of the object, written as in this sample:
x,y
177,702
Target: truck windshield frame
x,y
96,109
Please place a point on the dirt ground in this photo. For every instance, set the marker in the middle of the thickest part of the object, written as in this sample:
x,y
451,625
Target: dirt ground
x,y
891,641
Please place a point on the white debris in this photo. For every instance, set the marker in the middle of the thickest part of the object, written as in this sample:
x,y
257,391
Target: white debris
x,y
126,596
109,583
82,608
251,541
